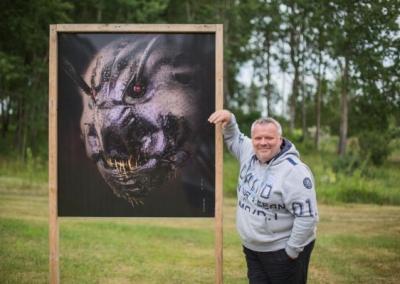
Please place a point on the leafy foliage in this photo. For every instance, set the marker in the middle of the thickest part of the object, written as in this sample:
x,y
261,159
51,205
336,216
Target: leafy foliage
x,y
307,42
375,146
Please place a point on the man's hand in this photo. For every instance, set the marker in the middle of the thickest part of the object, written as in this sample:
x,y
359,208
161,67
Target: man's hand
x,y
220,116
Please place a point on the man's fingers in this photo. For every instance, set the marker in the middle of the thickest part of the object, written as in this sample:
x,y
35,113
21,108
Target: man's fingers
x,y
215,117
212,117
219,116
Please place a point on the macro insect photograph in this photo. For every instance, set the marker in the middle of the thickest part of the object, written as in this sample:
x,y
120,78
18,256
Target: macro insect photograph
x,y
133,136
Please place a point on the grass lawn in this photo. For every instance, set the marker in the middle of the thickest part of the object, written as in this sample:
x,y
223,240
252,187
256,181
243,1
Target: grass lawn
x,y
356,244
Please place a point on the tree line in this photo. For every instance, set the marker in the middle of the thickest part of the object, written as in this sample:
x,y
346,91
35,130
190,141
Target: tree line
x,y
341,59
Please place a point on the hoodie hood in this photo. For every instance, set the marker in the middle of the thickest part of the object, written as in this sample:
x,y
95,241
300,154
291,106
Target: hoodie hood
x,y
287,150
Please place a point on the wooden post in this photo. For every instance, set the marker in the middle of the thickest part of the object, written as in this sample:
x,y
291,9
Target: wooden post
x,y
54,277
219,158
53,221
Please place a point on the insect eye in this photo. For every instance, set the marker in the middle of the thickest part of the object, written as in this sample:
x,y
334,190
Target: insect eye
x,y
136,90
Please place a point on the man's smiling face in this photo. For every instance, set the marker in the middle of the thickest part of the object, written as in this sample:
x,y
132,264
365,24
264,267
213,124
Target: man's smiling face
x,y
266,141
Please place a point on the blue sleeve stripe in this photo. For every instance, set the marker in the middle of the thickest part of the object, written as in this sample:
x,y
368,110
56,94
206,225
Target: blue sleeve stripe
x,y
291,161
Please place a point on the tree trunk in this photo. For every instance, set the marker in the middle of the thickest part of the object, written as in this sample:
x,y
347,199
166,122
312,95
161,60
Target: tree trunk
x,y
24,141
304,97
294,59
293,98
268,88
294,42
5,114
344,110
18,138
225,20
189,17
318,102
99,14
5,121
304,111
34,122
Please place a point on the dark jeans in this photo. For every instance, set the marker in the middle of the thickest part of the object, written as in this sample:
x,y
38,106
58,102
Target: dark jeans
x,y
276,267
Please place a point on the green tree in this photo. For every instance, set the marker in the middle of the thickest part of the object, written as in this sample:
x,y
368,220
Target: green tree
x,y
361,31
266,22
23,67
318,40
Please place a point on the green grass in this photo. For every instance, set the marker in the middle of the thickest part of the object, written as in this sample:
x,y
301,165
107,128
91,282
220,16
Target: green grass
x,y
375,185
126,252
356,244
23,173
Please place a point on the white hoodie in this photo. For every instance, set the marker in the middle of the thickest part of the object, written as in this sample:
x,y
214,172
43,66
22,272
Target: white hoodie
x,y
277,206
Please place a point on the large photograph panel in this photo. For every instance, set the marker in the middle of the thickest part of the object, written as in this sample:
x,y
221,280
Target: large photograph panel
x,y
133,137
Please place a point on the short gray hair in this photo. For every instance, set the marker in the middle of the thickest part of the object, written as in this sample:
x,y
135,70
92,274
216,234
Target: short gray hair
x,y
267,120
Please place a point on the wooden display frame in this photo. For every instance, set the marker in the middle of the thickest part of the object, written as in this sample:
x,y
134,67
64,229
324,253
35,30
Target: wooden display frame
x,y
54,276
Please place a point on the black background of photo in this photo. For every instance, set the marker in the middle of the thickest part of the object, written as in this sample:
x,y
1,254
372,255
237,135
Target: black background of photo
x,y
81,189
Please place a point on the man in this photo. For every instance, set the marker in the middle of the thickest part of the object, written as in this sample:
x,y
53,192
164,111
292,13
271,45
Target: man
x,y
276,212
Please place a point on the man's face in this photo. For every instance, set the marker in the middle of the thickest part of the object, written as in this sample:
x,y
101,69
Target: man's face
x,y
266,141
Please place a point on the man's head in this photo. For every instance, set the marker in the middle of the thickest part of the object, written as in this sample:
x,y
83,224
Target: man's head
x,y
266,135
